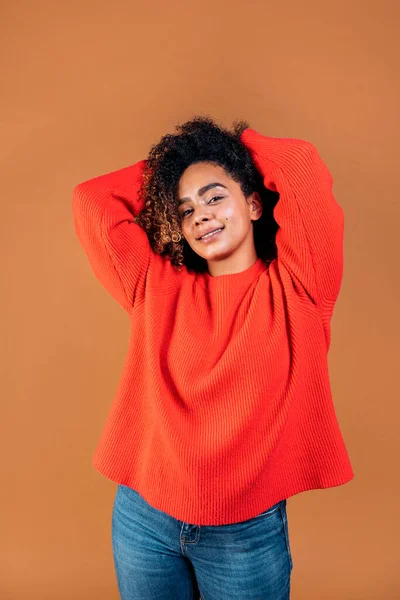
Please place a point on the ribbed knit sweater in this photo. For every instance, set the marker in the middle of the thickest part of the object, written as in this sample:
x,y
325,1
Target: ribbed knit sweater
x,y
224,405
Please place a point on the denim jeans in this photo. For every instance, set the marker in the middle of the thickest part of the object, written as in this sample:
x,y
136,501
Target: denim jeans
x,y
157,557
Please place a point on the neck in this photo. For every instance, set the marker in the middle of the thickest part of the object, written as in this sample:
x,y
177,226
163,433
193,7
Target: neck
x,y
235,263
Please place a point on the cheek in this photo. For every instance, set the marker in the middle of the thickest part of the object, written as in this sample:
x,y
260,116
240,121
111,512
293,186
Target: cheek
x,y
185,230
229,216
225,213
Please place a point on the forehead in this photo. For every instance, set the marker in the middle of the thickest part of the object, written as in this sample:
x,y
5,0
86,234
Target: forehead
x,y
200,174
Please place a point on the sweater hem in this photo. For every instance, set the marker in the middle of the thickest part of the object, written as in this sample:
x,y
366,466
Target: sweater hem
x,y
317,484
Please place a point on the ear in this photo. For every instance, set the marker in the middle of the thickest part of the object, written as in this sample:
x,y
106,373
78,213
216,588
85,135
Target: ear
x,y
256,206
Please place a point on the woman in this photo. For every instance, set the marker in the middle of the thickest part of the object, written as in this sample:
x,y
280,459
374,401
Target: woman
x,y
226,250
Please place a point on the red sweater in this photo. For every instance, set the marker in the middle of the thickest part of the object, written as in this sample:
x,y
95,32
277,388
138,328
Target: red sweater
x,y
224,405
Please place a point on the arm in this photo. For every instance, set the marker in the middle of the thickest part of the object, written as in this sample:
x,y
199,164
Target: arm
x,y
311,223
118,249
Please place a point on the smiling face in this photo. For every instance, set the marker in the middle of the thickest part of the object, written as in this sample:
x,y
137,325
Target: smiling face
x,y
209,199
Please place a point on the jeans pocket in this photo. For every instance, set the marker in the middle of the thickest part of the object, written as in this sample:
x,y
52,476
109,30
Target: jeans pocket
x,y
286,532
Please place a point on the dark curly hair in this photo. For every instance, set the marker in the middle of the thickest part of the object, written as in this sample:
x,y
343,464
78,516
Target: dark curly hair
x,y
198,140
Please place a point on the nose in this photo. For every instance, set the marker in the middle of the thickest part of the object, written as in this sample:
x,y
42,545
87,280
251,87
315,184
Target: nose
x,y
204,214
201,220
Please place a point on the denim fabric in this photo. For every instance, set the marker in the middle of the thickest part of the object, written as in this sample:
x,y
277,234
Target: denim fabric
x,y
157,557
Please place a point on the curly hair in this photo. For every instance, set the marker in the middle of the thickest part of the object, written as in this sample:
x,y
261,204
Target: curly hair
x,y
200,139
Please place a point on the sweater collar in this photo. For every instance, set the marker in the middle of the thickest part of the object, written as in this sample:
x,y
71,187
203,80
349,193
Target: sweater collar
x,y
233,280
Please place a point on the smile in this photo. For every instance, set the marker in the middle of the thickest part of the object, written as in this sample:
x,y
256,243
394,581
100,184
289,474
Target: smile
x,y
210,236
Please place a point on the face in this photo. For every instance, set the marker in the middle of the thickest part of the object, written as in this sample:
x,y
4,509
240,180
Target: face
x,y
210,199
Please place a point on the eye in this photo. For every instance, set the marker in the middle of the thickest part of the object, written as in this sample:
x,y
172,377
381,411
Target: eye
x,y
189,209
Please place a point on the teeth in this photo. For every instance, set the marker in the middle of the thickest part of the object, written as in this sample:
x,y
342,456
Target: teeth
x,y
209,234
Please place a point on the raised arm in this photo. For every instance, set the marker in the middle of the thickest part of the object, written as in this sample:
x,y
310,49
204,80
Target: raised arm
x,y
311,223
118,249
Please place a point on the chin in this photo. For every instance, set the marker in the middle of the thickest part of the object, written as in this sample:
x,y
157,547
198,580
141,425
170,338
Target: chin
x,y
217,255
210,253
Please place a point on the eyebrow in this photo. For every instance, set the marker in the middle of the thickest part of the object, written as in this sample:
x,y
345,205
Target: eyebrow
x,y
203,190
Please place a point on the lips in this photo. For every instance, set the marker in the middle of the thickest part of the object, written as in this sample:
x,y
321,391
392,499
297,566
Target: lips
x,y
209,231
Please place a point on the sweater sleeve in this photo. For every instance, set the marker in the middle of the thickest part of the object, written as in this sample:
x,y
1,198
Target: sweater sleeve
x,y
311,223
118,249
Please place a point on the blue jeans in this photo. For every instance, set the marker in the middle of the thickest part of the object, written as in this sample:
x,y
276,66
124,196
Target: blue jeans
x,y
157,557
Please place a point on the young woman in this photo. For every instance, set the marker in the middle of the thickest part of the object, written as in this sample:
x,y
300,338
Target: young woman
x,y
225,248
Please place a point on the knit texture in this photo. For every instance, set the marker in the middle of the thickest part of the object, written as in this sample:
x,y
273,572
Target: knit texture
x,y
224,405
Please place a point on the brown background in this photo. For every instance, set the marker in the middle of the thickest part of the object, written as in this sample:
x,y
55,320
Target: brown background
x,y
86,88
